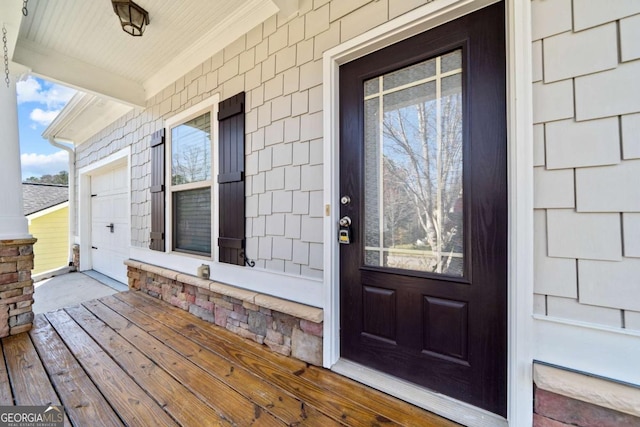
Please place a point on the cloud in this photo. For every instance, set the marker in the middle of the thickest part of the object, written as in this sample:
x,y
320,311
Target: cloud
x,y
43,164
52,95
43,117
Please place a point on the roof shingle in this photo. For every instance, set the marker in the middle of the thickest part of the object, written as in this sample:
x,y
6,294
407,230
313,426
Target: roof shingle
x,y
37,197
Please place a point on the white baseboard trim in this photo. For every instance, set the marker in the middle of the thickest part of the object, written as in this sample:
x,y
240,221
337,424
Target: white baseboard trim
x,y
437,403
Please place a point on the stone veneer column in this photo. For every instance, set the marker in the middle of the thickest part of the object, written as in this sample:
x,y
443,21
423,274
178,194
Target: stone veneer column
x,y
16,286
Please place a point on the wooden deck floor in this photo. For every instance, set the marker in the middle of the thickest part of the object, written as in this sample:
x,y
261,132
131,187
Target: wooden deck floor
x,y
129,359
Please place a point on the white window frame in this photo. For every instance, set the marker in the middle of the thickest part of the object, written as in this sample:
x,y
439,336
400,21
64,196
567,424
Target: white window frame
x,y
209,105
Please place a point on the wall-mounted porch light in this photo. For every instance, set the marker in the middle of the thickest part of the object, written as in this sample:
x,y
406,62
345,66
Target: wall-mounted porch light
x,y
133,18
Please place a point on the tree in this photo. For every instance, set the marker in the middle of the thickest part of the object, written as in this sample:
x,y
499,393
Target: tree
x,y
424,139
61,178
397,205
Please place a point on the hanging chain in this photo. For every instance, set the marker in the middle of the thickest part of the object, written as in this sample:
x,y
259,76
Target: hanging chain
x,y
25,11
6,55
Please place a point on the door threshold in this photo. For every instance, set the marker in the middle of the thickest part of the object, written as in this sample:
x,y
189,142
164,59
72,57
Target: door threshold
x,y
437,403
106,280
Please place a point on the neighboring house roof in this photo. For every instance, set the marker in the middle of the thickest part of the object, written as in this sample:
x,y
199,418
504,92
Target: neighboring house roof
x,y
37,197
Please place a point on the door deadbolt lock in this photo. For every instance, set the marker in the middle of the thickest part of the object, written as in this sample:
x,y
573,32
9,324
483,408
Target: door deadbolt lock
x,y
345,200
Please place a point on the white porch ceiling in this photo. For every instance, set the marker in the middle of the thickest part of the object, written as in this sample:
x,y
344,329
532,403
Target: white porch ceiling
x,y
80,43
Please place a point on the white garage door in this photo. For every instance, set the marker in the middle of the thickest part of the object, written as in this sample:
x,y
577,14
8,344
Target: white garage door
x,y
110,223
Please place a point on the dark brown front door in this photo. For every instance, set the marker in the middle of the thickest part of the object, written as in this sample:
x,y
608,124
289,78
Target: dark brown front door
x,y
423,163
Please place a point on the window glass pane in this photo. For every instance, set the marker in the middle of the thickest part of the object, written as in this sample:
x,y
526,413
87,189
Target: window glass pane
x,y
372,86
192,220
410,74
451,61
371,166
191,151
413,215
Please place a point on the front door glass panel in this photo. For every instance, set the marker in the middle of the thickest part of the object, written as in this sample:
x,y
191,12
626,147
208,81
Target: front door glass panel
x,y
413,149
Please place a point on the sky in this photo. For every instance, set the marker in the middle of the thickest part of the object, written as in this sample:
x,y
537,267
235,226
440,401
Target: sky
x,y
39,102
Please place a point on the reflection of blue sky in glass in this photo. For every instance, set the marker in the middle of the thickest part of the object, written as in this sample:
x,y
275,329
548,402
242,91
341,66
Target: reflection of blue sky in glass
x,y
191,151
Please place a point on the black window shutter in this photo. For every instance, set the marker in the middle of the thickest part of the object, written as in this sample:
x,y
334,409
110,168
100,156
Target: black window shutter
x,y
157,191
231,180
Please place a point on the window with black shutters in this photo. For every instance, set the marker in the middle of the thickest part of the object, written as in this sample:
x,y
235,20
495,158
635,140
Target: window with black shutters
x,y
202,152
190,183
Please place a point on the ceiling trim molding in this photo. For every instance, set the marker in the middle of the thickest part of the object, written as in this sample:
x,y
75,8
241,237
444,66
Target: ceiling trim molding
x,y
235,25
67,70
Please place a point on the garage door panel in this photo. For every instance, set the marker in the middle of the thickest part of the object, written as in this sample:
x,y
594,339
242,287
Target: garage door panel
x,y
110,205
101,208
100,183
119,181
119,208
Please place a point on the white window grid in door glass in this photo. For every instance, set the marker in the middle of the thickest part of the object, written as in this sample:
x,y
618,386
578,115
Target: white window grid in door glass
x,y
407,257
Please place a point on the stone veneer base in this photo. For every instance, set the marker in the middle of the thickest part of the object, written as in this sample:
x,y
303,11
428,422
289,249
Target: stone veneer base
x,y
286,327
16,286
566,398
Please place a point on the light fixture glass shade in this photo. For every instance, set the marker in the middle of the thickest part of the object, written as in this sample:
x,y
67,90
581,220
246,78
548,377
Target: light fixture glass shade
x,y
133,18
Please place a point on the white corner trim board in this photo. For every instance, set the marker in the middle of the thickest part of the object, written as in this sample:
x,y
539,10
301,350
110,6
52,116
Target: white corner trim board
x,y
615,355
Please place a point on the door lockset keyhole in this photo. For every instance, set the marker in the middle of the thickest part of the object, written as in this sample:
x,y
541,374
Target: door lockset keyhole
x,y
345,221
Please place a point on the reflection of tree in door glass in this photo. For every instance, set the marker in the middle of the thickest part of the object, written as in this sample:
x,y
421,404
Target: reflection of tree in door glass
x,y
413,135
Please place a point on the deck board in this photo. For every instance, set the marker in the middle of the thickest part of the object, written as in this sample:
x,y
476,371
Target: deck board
x,y
125,396
281,371
379,403
25,369
184,407
129,359
82,401
268,397
6,396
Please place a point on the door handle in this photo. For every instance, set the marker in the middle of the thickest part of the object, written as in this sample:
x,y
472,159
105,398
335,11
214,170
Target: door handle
x,y
110,226
344,233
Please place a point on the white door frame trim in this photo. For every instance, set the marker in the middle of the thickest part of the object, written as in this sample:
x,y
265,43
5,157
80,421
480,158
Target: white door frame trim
x,y
520,184
84,201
